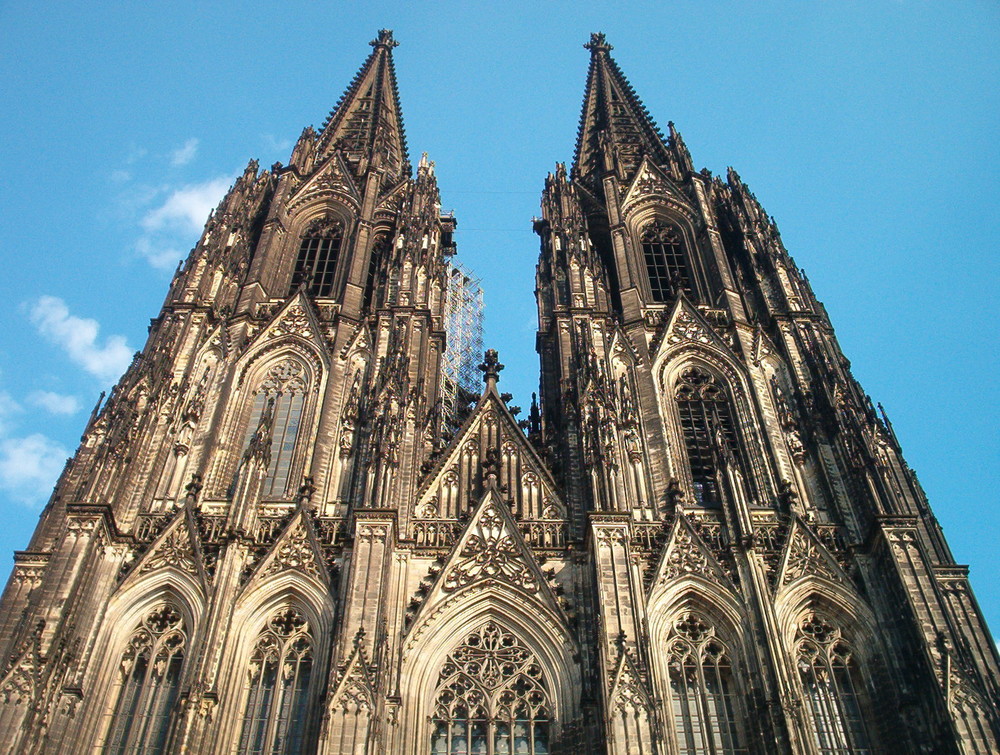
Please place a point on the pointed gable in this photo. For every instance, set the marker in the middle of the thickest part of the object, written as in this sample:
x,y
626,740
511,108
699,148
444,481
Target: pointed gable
x,y
455,483
491,551
628,689
806,556
612,112
296,322
296,549
331,179
686,325
685,554
177,547
366,125
355,686
650,182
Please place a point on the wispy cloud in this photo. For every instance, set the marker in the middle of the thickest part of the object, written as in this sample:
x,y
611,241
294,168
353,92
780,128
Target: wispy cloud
x,y
29,467
184,155
77,336
169,226
54,403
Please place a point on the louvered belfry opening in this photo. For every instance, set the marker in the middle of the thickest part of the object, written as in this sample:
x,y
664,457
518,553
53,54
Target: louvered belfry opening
x,y
316,266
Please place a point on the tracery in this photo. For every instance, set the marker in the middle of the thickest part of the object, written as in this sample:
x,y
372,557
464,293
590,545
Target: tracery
x,y
665,255
282,393
491,699
830,681
150,671
316,265
278,679
703,712
708,428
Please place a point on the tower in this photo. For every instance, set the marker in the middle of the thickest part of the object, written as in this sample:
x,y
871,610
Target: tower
x,y
294,527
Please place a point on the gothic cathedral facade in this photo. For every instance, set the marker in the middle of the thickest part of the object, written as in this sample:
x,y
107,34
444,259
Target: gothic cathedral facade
x,y
278,537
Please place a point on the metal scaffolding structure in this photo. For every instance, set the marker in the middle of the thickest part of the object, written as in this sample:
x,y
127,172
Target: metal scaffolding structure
x,y
463,322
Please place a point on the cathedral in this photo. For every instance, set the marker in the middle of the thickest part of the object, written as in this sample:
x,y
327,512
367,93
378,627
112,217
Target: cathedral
x,y
296,525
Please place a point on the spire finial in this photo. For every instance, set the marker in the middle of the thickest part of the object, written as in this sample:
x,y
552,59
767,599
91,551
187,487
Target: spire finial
x,y
491,368
384,39
598,43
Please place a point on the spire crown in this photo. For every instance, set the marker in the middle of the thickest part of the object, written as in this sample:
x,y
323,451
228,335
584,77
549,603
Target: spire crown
x,y
598,43
384,39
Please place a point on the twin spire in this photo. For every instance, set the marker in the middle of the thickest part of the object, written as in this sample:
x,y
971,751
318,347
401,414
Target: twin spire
x,y
616,130
615,127
367,123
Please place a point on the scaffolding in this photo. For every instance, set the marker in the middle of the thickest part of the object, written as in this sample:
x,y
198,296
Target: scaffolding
x,y
463,323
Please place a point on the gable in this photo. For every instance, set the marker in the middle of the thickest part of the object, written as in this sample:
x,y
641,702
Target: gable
x,y
490,434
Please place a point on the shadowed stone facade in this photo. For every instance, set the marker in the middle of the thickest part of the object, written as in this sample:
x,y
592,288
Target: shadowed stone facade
x,y
702,539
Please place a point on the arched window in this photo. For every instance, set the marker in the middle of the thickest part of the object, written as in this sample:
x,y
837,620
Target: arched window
x,y
275,718
706,423
666,261
491,699
318,253
702,708
282,393
830,684
380,248
150,672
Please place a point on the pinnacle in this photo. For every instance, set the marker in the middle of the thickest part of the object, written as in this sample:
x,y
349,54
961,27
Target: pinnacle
x,y
384,39
598,43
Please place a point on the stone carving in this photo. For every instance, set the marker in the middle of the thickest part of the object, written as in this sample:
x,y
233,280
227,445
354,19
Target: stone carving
x,y
491,552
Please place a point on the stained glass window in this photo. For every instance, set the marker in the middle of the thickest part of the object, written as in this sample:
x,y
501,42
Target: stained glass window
x,y
491,699
285,385
275,717
830,679
150,672
702,707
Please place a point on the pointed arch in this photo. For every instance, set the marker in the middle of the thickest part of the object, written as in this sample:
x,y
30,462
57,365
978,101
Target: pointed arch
x,y
147,632
275,665
684,430
285,364
697,638
832,640
428,644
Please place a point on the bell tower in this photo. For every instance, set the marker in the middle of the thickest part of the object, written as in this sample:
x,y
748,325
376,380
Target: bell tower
x,y
730,478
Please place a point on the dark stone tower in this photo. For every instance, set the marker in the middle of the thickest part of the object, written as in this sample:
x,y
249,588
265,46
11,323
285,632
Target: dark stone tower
x,y
289,529
693,390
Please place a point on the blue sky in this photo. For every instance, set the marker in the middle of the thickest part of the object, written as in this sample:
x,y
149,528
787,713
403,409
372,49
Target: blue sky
x,y
868,129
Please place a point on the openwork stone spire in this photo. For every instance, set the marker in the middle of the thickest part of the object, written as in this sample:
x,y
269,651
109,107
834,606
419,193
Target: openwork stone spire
x,y
614,124
367,122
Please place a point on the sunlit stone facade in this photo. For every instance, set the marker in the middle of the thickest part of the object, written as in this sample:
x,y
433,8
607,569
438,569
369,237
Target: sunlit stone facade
x,y
274,538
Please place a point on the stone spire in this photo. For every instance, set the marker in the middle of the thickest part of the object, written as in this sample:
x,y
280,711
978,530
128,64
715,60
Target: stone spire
x,y
367,123
615,128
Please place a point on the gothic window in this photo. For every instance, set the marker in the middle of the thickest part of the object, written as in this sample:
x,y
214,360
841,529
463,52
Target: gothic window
x,y
380,247
491,699
274,721
317,261
706,424
830,683
149,678
702,706
664,251
282,393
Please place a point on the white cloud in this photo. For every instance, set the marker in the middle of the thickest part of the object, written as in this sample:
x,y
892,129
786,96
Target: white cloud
x,y
8,406
185,154
30,466
78,337
187,208
54,403
159,254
